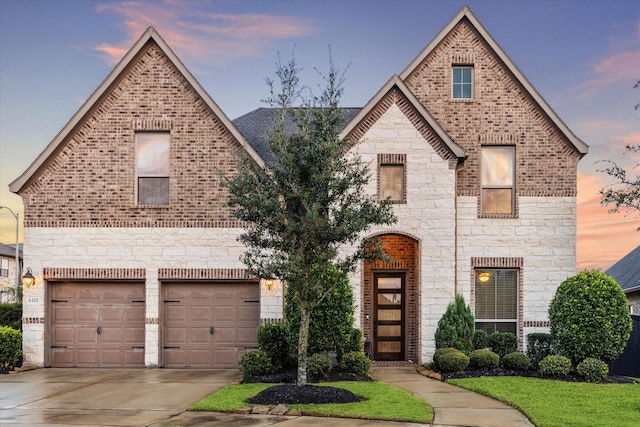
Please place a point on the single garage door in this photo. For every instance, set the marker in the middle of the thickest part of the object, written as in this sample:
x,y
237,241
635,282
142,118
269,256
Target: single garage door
x,y
209,325
97,324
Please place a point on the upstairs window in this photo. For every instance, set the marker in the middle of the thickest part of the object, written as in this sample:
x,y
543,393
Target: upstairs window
x,y
498,176
392,177
4,267
462,87
496,300
152,168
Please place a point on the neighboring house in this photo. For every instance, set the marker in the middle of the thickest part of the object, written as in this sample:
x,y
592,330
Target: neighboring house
x,y
8,271
627,274
136,254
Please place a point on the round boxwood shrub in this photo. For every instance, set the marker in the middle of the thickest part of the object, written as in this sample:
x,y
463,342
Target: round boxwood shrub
x,y
515,360
272,339
503,343
356,362
456,327
593,370
441,352
10,347
555,365
538,347
589,317
318,365
254,363
454,361
483,359
479,339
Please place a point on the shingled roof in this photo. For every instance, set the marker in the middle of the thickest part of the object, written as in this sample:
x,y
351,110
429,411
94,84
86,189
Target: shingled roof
x,y
253,127
627,271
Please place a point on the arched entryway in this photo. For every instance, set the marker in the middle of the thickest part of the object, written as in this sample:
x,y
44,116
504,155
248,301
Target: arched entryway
x,y
390,301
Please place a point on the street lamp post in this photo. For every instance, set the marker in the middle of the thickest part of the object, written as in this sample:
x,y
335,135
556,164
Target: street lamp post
x,y
17,285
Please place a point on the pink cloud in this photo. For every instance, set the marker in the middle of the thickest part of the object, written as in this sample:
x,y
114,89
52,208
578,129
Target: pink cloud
x,y
602,237
199,35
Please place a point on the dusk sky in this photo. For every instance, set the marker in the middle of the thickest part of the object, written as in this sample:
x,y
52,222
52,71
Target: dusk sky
x,y
583,57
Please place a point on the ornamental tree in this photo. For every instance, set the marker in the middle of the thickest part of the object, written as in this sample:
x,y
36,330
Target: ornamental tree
x,y
456,327
310,201
589,317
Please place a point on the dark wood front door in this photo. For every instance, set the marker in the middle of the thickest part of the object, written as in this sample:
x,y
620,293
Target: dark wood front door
x,y
389,317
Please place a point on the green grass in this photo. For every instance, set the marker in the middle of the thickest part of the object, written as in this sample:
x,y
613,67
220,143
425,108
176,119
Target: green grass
x,y
384,402
550,403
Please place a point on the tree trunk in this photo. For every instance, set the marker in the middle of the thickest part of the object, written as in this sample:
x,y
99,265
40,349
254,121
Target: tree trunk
x,y
303,341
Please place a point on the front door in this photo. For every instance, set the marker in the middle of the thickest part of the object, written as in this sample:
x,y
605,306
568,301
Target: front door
x,y
388,326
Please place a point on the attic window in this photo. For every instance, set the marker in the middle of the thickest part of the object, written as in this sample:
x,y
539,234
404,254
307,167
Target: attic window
x,y
462,82
152,168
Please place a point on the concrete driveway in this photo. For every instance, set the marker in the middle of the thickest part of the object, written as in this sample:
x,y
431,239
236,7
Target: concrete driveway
x,y
104,397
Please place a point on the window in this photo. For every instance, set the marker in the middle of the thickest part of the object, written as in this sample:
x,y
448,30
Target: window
x,y
498,176
462,87
152,168
391,177
496,300
4,267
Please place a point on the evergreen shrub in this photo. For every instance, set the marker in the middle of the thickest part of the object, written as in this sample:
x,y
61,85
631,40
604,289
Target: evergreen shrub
x,y
503,343
441,352
255,363
538,347
10,347
483,359
515,360
11,315
555,365
454,361
593,370
318,365
456,327
480,337
273,340
356,362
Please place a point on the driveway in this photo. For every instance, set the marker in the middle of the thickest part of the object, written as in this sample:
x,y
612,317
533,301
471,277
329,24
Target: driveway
x,y
101,397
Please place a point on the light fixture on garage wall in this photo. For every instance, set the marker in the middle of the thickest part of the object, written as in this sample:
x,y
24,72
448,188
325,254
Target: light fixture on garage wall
x,y
484,276
28,280
270,284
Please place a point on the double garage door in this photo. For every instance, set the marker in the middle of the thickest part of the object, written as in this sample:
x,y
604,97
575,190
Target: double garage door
x,y
203,325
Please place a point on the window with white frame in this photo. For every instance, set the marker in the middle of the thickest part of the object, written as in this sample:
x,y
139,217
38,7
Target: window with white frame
x,y
462,82
498,178
496,300
152,168
4,267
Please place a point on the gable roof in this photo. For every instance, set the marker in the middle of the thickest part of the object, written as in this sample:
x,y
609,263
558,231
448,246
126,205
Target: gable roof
x,y
150,35
466,13
627,271
396,82
254,124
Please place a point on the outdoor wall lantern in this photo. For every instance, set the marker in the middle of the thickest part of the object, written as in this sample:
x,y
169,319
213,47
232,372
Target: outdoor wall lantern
x,y
28,280
270,284
484,276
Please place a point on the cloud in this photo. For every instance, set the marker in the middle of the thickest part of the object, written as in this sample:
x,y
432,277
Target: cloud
x,y
200,35
602,237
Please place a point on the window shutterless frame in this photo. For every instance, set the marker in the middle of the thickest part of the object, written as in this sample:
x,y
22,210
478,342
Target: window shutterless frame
x,y
462,82
497,170
152,168
496,299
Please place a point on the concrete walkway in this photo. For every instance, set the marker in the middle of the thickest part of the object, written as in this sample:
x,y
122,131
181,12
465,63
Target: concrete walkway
x,y
453,406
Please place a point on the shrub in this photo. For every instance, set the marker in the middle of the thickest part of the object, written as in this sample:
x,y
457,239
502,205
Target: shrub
x,y
355,343
484,359
272,339
593,370
356,362
10,347
331,322
255,363
555,365
454,361
589,317
503,343
11,315
456,327
441,352
538,347
515,360
479,339
318,365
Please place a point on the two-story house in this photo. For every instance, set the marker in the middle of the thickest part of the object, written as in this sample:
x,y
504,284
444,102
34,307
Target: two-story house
x,y
136,255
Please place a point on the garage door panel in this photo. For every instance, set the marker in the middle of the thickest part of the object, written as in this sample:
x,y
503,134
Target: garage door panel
x,y
202,306
99,324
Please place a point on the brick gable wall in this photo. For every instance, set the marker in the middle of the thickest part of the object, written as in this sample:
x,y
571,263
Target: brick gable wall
x,y
500,112
91,180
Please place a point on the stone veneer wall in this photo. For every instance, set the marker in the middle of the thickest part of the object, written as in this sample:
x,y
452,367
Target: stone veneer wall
x,y
148,254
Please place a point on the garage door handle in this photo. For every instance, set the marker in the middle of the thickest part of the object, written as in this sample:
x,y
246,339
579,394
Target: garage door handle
x,y
138,300
137,347
59,346
99,330
171,348
211,330
59,300
252,300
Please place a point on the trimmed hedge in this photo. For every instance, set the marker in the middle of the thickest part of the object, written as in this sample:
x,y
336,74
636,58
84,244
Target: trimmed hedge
x,y
484,359
356,362
11,315
254,363
272,339
10,347
454,361
318,365
515,360
555,365
441,352
503,343
592,370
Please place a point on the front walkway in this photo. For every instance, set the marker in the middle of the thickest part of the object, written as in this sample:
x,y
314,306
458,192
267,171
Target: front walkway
x,y
452,406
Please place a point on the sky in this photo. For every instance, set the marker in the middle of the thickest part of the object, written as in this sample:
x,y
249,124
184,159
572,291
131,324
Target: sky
x,y
583,57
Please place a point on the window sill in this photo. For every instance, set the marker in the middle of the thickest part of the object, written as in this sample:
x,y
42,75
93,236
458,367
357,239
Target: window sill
x,y
498,216
154,207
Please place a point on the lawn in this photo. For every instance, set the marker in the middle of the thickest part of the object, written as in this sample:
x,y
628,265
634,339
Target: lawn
x,y
550,403
384,402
